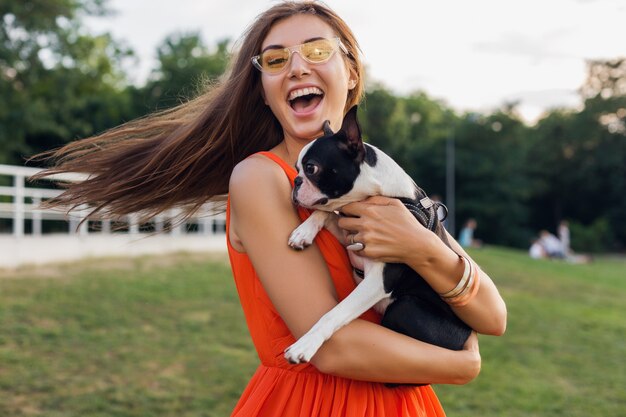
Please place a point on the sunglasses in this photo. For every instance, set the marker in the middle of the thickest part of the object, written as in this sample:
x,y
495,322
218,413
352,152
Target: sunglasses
x,y
275,60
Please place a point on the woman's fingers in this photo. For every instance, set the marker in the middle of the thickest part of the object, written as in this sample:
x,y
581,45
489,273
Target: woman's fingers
x,y
349,224
360,207
356,260
471,343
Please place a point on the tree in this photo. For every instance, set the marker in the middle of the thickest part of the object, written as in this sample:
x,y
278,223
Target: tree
x,y
491,177
186,65
605,79
57,81
412,130
579,158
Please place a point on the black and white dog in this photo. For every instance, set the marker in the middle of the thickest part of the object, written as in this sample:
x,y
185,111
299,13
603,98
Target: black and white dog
x,y
338,169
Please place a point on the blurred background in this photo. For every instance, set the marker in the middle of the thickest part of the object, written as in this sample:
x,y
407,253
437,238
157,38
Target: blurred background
x,y
513,114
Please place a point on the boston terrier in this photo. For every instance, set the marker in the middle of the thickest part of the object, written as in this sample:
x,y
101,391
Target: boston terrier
x,y
337,169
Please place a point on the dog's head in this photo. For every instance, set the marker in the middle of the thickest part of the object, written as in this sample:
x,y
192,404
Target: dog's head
x,y
330,168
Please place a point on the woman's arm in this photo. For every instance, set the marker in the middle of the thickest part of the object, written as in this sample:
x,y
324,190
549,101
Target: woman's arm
x,y
301,290
391,234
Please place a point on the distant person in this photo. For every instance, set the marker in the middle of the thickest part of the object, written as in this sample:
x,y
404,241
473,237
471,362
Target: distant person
x,y
551,244
536,250
466,236
564,237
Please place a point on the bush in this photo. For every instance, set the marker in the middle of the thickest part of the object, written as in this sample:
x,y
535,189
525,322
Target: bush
x,y
596,237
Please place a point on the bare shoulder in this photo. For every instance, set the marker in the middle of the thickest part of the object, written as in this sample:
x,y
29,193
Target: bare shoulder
x,y
257,174
260,193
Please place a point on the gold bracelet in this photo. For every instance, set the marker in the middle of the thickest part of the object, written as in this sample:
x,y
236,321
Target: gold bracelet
x,y
462,285
464,299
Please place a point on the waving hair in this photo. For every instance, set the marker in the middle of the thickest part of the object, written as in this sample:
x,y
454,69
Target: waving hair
x,y
184,156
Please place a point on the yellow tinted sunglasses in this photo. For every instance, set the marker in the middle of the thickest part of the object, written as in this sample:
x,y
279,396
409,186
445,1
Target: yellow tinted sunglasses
x,y
318,51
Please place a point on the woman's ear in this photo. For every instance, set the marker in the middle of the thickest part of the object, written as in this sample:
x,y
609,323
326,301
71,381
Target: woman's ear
x,y
354,78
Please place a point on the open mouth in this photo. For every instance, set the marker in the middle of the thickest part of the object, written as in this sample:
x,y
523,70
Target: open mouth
x,y
304,100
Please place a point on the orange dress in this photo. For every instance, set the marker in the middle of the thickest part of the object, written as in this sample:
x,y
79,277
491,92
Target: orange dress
x,y
279,389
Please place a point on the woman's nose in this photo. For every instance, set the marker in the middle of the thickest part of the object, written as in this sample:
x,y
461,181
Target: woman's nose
x,y
298,66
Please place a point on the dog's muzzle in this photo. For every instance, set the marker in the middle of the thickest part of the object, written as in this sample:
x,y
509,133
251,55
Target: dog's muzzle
x,y
297,182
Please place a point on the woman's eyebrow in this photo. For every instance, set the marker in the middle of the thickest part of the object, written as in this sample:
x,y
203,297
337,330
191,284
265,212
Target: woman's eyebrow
x,y
282,46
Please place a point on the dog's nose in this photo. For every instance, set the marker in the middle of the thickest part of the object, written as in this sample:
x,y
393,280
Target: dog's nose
x,y
297,182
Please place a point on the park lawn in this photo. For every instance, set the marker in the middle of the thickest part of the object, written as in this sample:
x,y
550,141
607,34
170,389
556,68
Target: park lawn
x,y
165,336
564,350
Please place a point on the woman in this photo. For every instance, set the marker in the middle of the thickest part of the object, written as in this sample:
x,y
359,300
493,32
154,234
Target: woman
x,y
305,69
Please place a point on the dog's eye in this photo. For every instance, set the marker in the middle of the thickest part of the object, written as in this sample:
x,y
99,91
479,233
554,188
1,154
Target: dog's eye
x,y
311,169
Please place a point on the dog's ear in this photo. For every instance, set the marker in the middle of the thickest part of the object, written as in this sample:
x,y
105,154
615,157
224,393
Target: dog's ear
x,y
327,130
351,130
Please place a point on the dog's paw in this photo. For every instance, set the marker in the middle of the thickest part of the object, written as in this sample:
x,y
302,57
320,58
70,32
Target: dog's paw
x,y
302,238
304,349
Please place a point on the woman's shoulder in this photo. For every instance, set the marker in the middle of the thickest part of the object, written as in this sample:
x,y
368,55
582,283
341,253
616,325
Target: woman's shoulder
x,y
258,174
254,162
259,191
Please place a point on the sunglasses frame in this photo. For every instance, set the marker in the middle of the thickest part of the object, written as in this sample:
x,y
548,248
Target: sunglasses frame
x,y
298,48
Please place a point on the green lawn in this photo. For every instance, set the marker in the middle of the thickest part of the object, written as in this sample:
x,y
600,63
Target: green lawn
x,y
165,336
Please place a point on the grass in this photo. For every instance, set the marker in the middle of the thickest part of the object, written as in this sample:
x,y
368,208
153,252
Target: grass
x,y
166,337
139,337
564,349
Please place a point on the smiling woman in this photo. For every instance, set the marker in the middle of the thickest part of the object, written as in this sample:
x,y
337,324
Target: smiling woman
x,y
152,164
314,76
295,76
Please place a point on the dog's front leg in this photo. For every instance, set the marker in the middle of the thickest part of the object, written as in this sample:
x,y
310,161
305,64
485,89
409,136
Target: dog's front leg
x,y
364,296
304,234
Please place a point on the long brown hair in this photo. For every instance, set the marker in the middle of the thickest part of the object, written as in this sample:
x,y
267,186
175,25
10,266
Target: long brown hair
x,y
184,156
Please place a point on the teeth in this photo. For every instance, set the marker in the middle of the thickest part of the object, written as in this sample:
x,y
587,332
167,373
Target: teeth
x,y
304,92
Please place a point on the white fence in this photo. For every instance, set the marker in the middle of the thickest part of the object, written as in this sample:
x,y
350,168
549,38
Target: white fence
x,y
25,231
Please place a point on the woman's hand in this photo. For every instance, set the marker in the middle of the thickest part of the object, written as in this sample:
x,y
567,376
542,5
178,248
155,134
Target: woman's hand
x,y
471,344
388,230
473,362
390,233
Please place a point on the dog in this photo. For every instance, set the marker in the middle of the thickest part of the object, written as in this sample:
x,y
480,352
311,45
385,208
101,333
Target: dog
x,y
339,168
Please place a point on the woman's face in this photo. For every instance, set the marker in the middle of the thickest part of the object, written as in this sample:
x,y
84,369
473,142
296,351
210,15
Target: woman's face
x,y
327,83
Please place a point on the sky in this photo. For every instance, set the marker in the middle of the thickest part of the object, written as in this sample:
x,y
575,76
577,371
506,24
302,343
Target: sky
x,y
474,55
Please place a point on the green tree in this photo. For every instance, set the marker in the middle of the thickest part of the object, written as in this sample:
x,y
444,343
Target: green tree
x,y
491,180
375,113
412,130
429,123
491,177
57,81
578,159
186,66
605,79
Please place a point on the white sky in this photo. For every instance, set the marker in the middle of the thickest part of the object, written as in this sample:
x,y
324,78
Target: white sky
x,y
472,54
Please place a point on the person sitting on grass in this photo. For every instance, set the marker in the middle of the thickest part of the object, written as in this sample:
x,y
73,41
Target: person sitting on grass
x,y
466,236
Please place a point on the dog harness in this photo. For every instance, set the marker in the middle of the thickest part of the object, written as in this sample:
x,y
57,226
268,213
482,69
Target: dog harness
x,y
425,210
